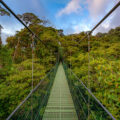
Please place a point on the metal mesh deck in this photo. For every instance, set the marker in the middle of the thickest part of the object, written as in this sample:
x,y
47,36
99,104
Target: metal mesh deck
x,y
60,104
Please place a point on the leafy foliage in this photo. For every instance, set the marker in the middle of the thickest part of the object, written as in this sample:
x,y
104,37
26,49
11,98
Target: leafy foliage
x,y
104,68
5,63
3,12
29,18
16,63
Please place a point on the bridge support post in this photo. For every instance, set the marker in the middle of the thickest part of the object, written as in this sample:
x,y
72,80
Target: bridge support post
x,y
89,33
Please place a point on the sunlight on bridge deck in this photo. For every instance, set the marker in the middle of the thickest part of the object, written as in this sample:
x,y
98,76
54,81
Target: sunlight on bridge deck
x,y
60,105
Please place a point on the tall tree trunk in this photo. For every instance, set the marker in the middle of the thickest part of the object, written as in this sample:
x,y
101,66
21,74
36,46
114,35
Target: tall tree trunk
x,y
15,53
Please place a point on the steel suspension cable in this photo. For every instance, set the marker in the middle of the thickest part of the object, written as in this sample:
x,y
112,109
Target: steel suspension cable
x,y
29,95
85,101
44,99
102,20
10,10
80,106
79,101
89,91
82,95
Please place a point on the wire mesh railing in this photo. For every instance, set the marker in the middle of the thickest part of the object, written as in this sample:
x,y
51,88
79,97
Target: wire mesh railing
x,y
24,61
90,110
34,105
80,94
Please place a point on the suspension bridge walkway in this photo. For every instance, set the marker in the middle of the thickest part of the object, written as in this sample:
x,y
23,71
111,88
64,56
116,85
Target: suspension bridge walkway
x,y
61,99
65,97
60,105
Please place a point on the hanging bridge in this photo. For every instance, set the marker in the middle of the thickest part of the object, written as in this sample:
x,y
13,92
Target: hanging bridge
x,y
61,99
65,97
60,104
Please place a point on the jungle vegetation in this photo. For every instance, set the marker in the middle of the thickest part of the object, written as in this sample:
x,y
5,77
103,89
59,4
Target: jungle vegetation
x,y
16,62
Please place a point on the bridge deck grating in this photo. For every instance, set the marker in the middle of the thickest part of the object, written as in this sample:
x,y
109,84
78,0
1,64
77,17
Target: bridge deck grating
x,y
60,105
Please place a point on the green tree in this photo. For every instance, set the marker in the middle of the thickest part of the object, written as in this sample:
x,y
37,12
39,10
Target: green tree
x,y
3,11
30,18
5,63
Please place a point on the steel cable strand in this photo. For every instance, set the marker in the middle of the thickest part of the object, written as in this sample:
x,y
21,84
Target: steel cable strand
x,y
42,97
29,95
43,100
48,90
27,115
52,76
89,91
85,100
73,93
32,75
102,20
32,33
81,94
94,103
85,116
96,106
26,112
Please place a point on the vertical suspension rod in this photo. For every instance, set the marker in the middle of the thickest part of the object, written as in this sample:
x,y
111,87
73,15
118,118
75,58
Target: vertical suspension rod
x,y
88,73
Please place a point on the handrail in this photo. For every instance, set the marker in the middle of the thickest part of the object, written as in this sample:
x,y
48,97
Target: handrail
x,y
32,91
89,91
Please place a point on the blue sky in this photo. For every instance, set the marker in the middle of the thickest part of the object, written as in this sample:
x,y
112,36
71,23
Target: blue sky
x,y
73,16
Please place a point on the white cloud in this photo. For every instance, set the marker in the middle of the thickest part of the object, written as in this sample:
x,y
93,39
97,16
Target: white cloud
x,y
6,33
97,7
72,7
116,18
103,28
4,37
9,31
81,27
111,22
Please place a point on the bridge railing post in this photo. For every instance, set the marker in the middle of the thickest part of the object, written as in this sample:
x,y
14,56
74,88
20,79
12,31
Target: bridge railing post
x,y
88,34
